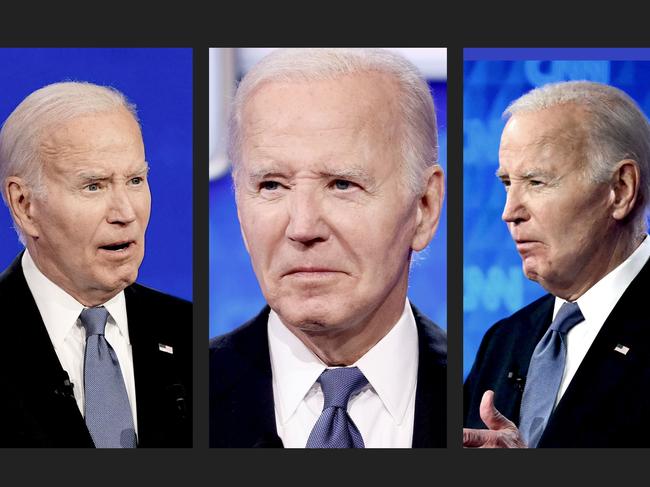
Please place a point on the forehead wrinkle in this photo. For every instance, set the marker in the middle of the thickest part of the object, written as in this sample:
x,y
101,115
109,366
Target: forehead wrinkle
x,y
53,150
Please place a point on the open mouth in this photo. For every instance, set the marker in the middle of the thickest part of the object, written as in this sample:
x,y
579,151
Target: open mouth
x,y
117,247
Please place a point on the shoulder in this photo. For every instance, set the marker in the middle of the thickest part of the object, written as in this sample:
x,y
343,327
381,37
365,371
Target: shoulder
x,y
253,332
146,296
519,323
240,355
431,337
154,315
12,274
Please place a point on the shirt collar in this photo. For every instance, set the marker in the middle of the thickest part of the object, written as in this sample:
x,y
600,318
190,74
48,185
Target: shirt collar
x,y
59,310
598,302
390,366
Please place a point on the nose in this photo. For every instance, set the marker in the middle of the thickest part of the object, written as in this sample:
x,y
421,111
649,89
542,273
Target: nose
x,y
515,210
307,224
120,207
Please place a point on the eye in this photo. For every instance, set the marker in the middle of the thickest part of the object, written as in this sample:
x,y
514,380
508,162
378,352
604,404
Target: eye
x,y
92,187
342,184
137,180
269,185
506,184
535,182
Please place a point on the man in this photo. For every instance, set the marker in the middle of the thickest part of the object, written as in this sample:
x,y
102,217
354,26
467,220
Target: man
x,y
571,369
92,359
337,183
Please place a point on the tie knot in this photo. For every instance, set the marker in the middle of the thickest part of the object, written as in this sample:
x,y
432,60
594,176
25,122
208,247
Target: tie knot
x,y
94,320
568,316
339,384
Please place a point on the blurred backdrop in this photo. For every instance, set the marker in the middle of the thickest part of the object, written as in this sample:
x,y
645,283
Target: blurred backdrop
x,y
494,285
235,296
159,83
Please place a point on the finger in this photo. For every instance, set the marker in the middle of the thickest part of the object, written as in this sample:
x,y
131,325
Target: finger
x,y
473,438
490,415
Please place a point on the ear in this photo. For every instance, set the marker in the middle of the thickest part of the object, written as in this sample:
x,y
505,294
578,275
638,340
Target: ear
x,y
625,188
429,206
20,200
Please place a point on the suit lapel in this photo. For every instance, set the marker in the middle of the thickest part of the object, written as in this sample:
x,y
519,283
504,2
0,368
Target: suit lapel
x,y
508,395
49,415
243,393
429,428
606,378
158,386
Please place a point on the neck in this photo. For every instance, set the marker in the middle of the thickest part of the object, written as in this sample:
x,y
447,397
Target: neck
x,y
609,257
89,299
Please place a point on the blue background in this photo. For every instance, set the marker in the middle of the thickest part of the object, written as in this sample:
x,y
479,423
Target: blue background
x,y
235,296
159,82
494,285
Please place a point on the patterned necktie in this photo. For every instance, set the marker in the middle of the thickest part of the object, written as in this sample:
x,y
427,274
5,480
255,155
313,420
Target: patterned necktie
x,y
545,374
335,428
107,410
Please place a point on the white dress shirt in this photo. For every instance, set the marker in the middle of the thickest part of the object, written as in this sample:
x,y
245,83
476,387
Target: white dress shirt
x,y
596,304
383,411
60,313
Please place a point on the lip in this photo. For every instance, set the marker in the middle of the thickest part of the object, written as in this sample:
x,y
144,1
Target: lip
x,y
310,272
118,253
524,245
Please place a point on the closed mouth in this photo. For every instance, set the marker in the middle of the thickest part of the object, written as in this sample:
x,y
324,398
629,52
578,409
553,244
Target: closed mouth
x,y
310,271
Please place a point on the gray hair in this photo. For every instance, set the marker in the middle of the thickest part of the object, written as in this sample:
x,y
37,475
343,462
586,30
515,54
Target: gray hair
x,y
20,137
616,128
419,140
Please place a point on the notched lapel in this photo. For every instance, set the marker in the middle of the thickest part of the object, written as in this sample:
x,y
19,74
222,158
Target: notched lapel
x,y
242,412
42,411
606,401
163,394
430,424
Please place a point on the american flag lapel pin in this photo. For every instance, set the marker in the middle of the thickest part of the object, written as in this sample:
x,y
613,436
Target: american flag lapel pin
x,y
165,348
621,349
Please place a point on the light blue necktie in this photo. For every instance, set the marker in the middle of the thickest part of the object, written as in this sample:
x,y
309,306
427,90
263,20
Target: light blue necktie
x,y
545,374
335,428
107,410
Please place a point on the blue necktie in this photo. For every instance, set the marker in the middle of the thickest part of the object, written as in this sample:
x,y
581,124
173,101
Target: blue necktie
x,y
545,374
107,410
335,428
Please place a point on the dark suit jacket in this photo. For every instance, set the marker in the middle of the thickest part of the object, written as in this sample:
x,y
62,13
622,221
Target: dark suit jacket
x,y
242,413
607,402
37,406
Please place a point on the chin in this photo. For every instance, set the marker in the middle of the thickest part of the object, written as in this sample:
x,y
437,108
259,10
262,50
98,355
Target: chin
x,y
307,318
119,283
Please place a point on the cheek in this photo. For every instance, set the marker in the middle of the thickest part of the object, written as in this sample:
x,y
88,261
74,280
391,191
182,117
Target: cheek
x,y
262,231
384,237
58,223
144,208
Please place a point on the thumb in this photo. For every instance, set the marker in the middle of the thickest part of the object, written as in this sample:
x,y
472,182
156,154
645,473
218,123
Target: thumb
x,y
490,415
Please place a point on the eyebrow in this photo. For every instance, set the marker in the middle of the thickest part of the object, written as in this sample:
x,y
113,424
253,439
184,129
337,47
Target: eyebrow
x,y
141,170
354,173
96,176
530,174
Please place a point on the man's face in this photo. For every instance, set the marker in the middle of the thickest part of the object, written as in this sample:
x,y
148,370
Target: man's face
x,y
89,228
559,220
327,220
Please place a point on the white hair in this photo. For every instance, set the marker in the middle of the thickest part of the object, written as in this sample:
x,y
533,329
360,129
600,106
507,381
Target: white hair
x,y
419,137
616,129
21,134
